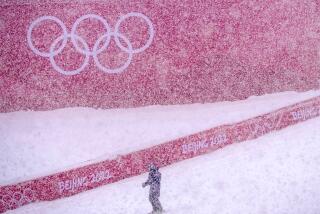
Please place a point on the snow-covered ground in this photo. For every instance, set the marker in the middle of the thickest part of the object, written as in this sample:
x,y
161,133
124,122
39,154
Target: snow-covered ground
x,y
277,173
36,144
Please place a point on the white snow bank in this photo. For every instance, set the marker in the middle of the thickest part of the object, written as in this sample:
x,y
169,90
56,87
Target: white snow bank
x,y
34,144
274,174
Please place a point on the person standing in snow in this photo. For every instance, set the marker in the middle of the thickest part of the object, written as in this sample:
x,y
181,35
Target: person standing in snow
x,y
154,180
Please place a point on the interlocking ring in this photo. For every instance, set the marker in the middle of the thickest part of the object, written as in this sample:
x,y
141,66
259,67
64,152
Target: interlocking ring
x,y
17,199
35,23
150,27
74,31
115,70
60,70
85,50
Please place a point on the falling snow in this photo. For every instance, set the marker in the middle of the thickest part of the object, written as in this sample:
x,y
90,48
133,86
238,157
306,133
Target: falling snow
x,y
71,72
201,52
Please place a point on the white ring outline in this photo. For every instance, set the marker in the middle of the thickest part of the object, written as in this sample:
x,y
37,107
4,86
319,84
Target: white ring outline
x,y
121,68
73,72
12,201
86,51
36,22
150,29
6,203
74,30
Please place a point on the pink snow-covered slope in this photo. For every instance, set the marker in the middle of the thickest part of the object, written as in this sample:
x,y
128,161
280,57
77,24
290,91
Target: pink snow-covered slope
x,y
107,54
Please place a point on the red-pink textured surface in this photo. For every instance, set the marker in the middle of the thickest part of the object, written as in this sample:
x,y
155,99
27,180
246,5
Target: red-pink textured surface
x,y
201,51
74,181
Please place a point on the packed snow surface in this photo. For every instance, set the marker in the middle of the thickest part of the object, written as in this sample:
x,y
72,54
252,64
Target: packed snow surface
x,y
276,173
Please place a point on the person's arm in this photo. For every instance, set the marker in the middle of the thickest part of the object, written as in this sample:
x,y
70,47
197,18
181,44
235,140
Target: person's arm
x,y
148,182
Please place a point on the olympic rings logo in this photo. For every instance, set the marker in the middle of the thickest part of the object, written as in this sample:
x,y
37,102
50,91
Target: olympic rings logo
x,y
103,41
17,199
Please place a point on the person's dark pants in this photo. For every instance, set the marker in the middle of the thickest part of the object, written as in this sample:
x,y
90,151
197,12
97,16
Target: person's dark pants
x,y
154,200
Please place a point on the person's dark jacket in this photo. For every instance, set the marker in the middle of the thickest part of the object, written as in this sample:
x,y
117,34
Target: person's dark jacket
x,y
154,180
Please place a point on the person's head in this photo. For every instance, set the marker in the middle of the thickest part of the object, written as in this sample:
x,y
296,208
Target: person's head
x,y
153,167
